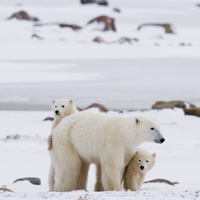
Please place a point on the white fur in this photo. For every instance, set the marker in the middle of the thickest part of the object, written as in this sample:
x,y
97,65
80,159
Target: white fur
x,y
108,141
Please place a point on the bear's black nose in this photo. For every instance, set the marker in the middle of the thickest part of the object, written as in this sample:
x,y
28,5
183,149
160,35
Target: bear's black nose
x,y
162,140
56,112
141,167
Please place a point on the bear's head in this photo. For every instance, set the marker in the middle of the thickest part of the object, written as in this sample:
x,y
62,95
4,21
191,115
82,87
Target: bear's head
x,y
144,161
148,130
63,107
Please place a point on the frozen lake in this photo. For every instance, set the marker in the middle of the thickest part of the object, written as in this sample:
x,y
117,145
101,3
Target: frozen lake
x,y
115,83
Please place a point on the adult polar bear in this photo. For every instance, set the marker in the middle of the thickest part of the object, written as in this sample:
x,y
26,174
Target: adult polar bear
x,y
107,141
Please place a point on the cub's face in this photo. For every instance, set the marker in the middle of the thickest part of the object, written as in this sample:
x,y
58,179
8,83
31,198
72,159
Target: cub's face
x,y
144,162
62,108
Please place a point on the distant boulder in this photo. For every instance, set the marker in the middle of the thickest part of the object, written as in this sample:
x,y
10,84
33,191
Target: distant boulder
x,y
109,23
99,2
167,27
22,15
37,36
192,111
5,189
127,40
98,40
102,108
74,27
62,25
48,119
172,104
117,10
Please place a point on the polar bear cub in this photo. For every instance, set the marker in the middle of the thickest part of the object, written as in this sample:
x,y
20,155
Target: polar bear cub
x,y
136,170
61,108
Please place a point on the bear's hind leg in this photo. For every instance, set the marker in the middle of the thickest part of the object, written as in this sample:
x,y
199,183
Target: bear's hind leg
x,y
83,176
67,171
98,185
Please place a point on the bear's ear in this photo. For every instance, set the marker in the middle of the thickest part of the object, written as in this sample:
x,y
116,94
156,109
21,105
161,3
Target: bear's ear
x,y
154,155
71,101
137,121
53,101
136,153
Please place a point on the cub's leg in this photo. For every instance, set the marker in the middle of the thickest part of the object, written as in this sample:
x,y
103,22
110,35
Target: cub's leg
x,y
51,178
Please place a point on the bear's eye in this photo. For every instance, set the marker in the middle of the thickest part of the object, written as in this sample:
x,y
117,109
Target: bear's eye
x,y
139,160
147,161
63,106
152,128
55,106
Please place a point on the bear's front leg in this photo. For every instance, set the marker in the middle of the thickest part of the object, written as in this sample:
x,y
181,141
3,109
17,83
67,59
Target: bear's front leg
x,y
111,177
112,165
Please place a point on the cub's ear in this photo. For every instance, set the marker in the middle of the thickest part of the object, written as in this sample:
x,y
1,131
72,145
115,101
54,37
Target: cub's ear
x,y
136,153
154,155
53,101
71,101
137,121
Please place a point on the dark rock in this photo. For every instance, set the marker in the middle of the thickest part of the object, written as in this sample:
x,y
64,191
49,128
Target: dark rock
x,y
87,1
5,189
96,105
74,27
117,10
37,36
109,23
16,137
98,39
192,111
62,25
9,137
127,40
79,109
22,15
99,2
33,180
171,104
167,27
48,119
102,2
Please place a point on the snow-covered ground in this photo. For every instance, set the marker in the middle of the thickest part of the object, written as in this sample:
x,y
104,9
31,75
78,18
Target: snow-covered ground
x,y
177,158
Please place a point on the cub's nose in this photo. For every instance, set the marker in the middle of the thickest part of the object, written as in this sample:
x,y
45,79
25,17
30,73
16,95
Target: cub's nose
x,y
162,140
56,112
141,167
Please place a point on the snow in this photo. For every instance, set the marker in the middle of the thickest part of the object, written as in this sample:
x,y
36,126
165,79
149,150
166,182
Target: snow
x,y
177,158
68,64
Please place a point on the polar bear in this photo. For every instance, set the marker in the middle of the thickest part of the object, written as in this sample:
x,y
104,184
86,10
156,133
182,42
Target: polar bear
x,y
107,141
136,170
61,108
